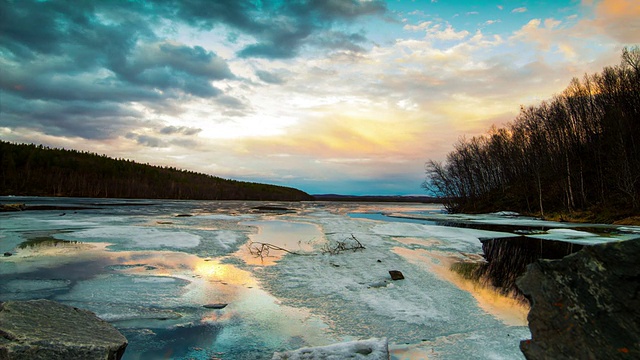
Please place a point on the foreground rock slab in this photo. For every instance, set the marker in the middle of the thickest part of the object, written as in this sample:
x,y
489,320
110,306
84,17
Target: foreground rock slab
x,y
585,306
372,349
47,330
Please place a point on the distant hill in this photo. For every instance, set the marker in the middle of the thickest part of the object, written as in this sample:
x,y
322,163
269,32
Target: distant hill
x,y
36,170
376,198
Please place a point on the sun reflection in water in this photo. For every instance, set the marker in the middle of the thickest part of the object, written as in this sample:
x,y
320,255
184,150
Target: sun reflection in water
x,y
213,270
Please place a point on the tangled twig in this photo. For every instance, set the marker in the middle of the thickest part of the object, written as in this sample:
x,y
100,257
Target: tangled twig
x,y
341,246
260,249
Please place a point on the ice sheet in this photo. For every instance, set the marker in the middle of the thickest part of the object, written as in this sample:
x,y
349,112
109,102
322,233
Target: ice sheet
x,y
135,237
160,270
454,239
578,237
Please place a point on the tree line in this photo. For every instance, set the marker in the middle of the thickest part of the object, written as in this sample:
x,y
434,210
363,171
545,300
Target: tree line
x,y
579,150
36,170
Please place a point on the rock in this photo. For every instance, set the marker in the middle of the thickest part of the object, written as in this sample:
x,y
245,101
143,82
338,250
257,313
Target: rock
x,y
585,306
8,254
396,275
47,330
215,306
372,349
184,215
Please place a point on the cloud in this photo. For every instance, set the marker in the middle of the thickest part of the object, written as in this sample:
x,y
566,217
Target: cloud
x,y
338,40
181,130
88,69
284,29
146,140
270,77
96,121
438,31
519,10
620,19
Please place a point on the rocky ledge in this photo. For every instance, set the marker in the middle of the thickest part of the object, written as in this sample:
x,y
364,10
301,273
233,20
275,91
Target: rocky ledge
x,y
585,306
46,330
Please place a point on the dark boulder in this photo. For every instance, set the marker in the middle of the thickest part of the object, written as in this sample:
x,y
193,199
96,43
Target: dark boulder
x,y
47,330
585,306
396,275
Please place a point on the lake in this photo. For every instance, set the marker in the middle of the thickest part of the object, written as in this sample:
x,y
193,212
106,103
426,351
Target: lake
x,y
150,266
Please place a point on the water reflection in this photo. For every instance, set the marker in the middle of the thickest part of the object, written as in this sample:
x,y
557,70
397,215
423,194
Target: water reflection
x,y
297,237
510,311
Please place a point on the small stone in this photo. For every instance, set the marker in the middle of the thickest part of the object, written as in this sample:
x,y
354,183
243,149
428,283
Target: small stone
x,y
396,275
8,254
215,306
379,260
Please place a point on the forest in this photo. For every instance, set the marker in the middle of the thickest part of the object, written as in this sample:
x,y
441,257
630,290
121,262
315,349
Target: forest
x,y
576,152
36,170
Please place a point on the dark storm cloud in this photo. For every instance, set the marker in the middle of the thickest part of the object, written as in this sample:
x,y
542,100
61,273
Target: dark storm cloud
x,y
280,28
168,66
77,66
82,64
69,118
293,24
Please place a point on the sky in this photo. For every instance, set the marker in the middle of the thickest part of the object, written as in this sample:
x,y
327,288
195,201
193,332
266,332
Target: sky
x,y
327,96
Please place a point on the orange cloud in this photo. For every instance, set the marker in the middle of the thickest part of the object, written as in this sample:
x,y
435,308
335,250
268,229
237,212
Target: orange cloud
x,y
619,19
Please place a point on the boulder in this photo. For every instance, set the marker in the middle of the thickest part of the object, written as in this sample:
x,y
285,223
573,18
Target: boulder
x,y
47,330
585,306
396,275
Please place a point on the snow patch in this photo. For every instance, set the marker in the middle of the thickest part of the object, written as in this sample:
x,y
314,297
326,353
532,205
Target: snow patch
x,y
372,349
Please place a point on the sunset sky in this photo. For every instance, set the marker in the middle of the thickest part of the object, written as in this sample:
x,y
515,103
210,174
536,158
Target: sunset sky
x,y
328,96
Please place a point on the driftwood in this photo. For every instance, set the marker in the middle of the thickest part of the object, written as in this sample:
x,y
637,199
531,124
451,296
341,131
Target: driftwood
x,y
260,249
340,246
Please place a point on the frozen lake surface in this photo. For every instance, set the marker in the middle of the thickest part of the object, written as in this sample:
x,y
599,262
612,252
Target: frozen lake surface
x,y
150,266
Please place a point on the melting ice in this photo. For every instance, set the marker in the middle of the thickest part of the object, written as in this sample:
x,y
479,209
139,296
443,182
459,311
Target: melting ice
x,y
150,272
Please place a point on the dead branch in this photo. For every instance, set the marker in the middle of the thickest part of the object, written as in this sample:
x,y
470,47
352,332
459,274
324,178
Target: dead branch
x,y
340,246
260,249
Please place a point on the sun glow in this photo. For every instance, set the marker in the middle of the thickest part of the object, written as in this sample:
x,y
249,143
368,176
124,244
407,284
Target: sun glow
x,y
217,272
